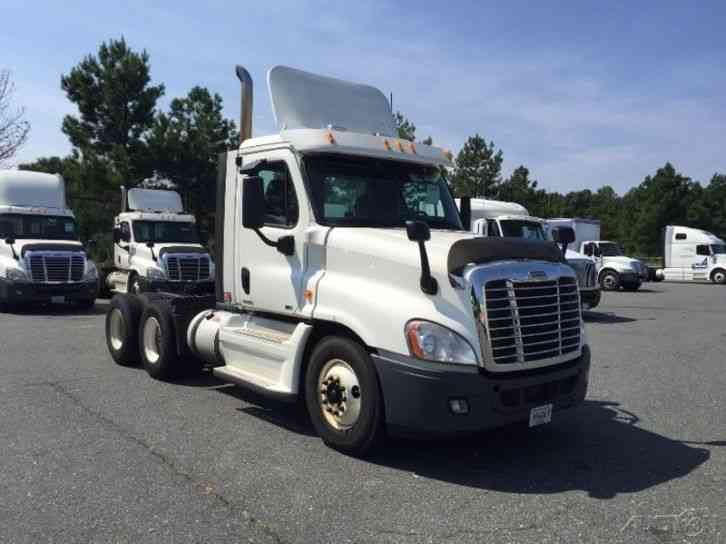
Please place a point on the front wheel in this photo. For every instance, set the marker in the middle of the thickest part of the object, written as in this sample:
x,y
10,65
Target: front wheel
x,y
122,321
610,281
719,276
343,397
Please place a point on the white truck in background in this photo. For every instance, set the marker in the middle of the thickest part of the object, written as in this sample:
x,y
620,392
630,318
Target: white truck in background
x,y
345,279
614,268
692,255
496,218
41,258
157,247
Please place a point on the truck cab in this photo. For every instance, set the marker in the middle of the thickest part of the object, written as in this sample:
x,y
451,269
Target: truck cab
x,y
693,255
41,257
345,280
496,218
615,270
158,247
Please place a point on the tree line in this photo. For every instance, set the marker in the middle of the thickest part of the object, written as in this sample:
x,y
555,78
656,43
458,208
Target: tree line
x,y
121,137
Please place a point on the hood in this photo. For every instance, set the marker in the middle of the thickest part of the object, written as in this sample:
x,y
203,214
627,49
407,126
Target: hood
x,y
571,255
622,259
21,246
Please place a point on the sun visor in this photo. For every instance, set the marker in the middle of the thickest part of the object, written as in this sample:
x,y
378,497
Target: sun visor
x,y
486,250
304,100
154,200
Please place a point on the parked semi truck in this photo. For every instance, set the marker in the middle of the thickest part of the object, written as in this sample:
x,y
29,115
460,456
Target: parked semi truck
x,y
157,247
614,268
496,218
692,255
346,279
41,258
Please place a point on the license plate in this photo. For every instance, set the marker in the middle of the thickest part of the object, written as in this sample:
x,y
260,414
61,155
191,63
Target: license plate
x,y
57,300
539,415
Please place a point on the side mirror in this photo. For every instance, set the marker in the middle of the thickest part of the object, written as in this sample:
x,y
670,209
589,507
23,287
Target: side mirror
x,y
91,244
116,235
597,251
9,240
563,235
465,212
419,232
203,235
150,244
253,203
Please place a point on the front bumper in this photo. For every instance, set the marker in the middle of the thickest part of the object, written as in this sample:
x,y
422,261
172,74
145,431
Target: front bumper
x,y
178,287
590,297
417,393
630,277
26,292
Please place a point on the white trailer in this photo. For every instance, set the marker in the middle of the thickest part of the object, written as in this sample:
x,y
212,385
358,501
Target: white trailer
x,y
41,258
497,218
157,247
693,255
345,279
614,268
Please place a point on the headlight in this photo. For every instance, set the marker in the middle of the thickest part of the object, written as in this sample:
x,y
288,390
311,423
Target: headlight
x,y
155,274
91,271
16,274
433,342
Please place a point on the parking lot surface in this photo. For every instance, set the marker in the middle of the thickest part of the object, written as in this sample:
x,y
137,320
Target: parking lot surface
x,y
95,452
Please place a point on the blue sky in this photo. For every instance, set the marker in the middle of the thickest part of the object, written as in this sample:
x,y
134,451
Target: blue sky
x,y
583,94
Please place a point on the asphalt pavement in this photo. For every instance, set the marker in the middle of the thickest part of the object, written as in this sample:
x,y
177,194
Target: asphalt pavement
x,y
94,452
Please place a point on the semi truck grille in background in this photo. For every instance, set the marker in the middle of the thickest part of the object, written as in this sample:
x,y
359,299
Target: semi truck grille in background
x,y
56,268
187,268
531,321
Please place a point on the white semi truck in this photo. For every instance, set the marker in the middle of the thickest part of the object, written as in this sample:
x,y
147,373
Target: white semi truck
x,y
41,258
498,218
692,255
157,247
345,279
614,268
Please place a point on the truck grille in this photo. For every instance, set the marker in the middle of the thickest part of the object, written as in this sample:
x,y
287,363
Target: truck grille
x,y
56,268
187,268
531,321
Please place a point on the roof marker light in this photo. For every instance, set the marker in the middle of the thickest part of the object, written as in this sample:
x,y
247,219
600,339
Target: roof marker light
x,y
386,145
329,136
399,145
413,148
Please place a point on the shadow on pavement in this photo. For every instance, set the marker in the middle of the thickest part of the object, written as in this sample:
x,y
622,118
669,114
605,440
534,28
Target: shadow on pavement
x,y
597,448
591,316
51,310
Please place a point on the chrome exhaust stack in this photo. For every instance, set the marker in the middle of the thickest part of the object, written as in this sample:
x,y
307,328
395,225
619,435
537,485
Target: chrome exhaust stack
x,y
245,118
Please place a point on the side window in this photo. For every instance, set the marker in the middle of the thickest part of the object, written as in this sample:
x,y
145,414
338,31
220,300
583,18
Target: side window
x,y
703,250
681,236
126,229
281,207
493,228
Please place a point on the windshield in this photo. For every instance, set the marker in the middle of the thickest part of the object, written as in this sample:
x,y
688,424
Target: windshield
x,y
42,227
530,230
165,232
365,192
718,249
609,249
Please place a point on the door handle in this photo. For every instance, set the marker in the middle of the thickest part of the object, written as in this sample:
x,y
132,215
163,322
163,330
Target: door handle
x,y
246,280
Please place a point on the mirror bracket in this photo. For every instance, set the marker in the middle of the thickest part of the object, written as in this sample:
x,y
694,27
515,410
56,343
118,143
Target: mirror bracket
x,y
284,244
419,232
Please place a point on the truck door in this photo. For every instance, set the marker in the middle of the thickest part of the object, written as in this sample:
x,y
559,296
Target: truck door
x,y
266,279
122,250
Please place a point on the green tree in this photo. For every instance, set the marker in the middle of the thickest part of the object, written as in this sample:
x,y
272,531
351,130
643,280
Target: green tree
x,y
14,128
478,169
405,128
116,104
185,142
519,188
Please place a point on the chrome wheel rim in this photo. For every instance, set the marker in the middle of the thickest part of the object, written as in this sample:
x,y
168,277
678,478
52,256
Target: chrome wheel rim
x,y
152,340
339,394
116,329
608,282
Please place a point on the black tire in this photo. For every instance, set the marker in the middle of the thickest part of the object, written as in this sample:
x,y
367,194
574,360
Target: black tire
x,y
158,351
610,281
367,431
719,276
122,337
631,286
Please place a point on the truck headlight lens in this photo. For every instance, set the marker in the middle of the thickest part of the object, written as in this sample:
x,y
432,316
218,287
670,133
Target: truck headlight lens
x,y
91,272
155,274
16,274
432,342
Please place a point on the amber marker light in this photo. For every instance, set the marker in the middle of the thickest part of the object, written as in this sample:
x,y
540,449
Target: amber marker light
x,y
329,136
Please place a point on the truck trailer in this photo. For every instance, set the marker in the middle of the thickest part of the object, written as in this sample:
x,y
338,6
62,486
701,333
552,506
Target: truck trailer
x,y
692,254
41,257
346,280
